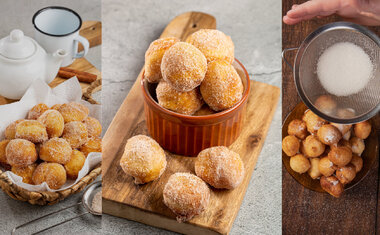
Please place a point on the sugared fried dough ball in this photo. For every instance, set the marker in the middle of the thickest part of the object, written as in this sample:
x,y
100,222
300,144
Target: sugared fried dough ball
x,y
346,174
346,113
332,185
37,111
94,144
220,167
73,111
183,66
362,130
329,134
177,101
222,87
290,145
343,128
186,195
53,174
213,43
31,130
75,164
347,136
56,150
153,57
344,142
3,157
313,122
298,128
94,127
312,146
357,145
326,167
340,156
357,162
326,104
56,106
10,131
204,110
299,163
143,159
53,121
26,172
75,133
314,168
20,152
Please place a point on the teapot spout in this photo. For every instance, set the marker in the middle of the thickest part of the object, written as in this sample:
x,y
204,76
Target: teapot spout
x,y
53,64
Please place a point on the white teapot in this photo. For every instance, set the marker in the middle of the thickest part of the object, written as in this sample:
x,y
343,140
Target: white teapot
x,y
22,61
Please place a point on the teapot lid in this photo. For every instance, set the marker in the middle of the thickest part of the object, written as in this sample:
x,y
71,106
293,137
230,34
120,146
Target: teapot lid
x,y
16,45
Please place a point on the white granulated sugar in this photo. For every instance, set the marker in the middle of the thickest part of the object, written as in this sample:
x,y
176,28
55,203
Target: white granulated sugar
x,y
344,69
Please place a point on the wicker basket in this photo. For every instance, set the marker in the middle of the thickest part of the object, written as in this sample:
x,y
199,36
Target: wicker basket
x,y
50,198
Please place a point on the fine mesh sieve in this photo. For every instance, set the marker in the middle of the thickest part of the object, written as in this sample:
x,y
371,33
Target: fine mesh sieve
x,y
349,109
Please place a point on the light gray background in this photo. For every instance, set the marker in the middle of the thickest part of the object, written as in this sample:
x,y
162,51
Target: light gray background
x,y
255,27
18,14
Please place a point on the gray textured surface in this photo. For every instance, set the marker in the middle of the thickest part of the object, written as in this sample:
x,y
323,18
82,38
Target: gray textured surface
x,y
255,27
18,14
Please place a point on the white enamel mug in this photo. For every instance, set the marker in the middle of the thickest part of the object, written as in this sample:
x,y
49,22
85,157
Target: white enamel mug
x,y
58,28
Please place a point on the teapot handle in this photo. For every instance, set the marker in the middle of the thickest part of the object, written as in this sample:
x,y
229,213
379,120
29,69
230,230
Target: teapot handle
x,y
86,46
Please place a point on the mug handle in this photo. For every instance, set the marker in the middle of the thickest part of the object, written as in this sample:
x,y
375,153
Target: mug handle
x,y
86,46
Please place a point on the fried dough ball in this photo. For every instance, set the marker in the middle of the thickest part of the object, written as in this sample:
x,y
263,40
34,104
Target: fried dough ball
x,y
37,111
20,152
299,163
3,157
204,110
343,128
75,164
344,142
94,127
314,168
53,174
153,57
56,106
357,162
347,136
326,104
346,174
222,87
220,167
290,145
94,144
332,185
326,167
143,159
10,131
362,130
56,150
298,128
31,130
26,172
186,195
213,43
75,133
329,134
312,146
183,66
313,122
346,113
73,111
177,101
340,156
357,145
53,121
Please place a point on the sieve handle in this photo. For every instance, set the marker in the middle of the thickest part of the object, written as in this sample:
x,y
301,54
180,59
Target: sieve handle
x,y
284,53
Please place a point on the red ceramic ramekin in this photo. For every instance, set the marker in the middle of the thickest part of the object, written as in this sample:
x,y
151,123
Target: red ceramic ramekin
x,y
188,135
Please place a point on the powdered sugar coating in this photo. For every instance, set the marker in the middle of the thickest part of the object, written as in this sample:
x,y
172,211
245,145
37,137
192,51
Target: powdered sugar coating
x,y
37,111
222,87
183,66
3,157
75,133
213,43
94,127
186,195
56,150
31,130
75,164
73,111
94,144
220,167
177,101
143,159
329,134
10,131
53,174
53,121
20,152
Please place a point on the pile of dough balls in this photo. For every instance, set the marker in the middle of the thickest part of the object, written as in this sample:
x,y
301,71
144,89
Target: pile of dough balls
x,y
51,144
195,77
186,194
327,151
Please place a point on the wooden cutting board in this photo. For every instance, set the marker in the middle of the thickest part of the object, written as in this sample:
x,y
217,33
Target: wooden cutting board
x,y
122,198
92,31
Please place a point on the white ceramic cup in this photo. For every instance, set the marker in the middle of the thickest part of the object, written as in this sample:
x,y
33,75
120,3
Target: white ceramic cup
x,y
58,28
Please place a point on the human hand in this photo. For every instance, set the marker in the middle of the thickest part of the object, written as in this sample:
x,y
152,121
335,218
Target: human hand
x,y
366,12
